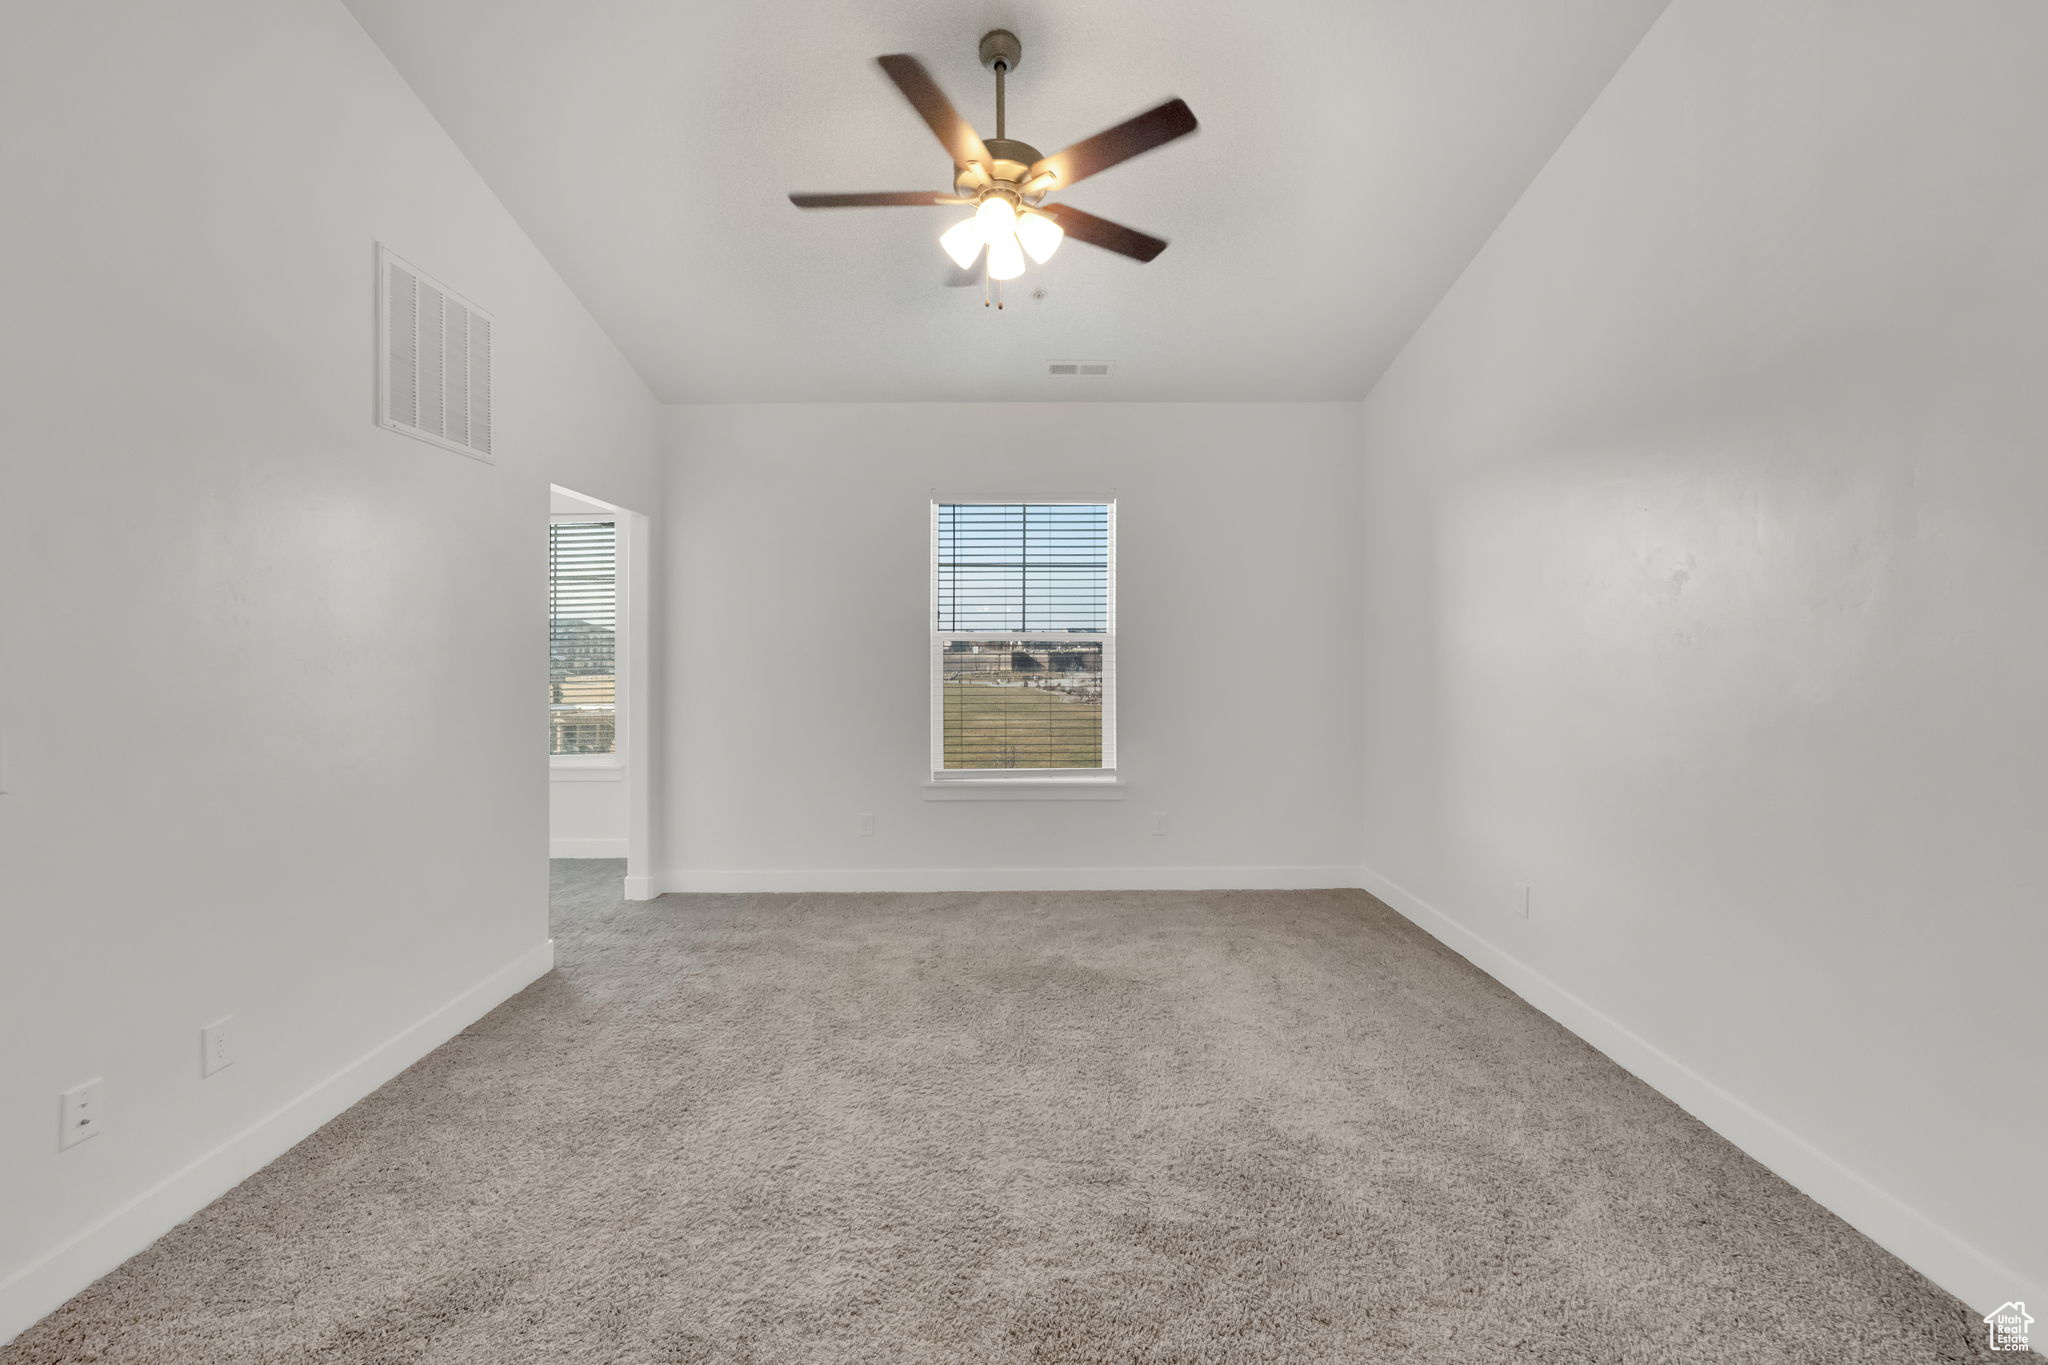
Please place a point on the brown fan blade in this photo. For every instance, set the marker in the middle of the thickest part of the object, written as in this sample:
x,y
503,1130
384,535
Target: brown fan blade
x,y
891,199
955,134
1132,137
1086,227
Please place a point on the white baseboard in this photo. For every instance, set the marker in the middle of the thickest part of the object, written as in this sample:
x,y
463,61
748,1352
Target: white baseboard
x,y
586,848
1008,878
1914,1238
640,889
45,1283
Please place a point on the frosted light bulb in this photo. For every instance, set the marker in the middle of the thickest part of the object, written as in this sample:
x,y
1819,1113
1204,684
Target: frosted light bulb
x,y
1005,258
1040,235
963,242
998,220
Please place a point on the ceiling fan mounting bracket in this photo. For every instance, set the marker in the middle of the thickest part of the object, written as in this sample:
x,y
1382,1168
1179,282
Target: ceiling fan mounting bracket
x,y
1001,45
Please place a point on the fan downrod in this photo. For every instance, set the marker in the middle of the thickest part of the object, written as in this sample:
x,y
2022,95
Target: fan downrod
x,y
1010,159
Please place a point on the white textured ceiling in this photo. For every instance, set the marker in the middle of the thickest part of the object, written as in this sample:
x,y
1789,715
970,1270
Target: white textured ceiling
x,y
1353,156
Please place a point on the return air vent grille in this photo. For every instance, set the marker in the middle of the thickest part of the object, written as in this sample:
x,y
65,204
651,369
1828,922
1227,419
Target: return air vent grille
x,y
434,353
1077,369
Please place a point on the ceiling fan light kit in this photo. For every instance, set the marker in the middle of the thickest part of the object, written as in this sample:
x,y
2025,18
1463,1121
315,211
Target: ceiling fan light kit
x,y
1006,181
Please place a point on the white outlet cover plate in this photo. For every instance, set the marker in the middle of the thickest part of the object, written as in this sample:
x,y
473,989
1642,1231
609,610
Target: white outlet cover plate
x,y
82,1113
216,1046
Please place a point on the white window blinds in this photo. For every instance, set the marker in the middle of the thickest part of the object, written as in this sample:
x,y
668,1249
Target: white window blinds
x,y
1023,645
583,595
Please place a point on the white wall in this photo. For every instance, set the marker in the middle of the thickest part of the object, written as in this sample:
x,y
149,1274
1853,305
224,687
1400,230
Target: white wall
x,y
800,540
1704,555
272,674
587,813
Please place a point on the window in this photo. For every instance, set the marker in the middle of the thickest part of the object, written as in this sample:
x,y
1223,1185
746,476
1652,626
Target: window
x,y
583,617
1023,640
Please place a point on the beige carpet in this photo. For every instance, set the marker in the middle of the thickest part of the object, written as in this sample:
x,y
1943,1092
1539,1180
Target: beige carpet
x,y
1146,1128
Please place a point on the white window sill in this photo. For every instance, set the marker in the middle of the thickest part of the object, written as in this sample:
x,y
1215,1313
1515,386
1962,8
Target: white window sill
x,y
586,768
1025,789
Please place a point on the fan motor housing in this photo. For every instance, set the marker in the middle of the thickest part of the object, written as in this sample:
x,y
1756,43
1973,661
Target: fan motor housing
x,y
1009,160
1013,159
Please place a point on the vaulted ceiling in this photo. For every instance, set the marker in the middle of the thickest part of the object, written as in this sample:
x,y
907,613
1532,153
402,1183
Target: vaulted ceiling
x,y
1353,156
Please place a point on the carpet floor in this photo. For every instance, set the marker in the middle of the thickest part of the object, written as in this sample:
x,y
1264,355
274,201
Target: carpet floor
x,y
1145,1128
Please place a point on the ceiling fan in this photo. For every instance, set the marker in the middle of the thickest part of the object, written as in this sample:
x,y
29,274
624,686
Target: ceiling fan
x,y
1007,181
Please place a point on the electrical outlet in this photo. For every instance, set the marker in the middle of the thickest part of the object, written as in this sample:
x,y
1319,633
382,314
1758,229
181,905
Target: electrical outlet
x,y
82,1112
216,1045
1159,822
1522,901
867,825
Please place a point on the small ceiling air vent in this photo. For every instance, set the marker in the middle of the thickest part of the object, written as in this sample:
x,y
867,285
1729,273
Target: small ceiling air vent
x,y
1078,369
434,360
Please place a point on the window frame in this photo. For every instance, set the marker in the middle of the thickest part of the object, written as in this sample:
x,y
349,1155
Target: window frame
x,y
943,783
609,767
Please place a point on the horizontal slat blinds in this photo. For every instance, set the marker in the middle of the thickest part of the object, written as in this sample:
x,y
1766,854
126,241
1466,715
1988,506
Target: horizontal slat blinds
x,y
1023,650
582,637
1023,567
1023,703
